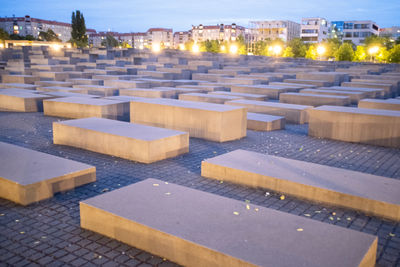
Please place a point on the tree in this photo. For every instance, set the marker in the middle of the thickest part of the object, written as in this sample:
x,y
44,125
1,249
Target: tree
x,y
259,47
49,36
382,55
312,52
360,54
288,52
345,52
298,47
4,35
110,41
381,41
331,46
188,45
394,54
78,33
126,45
242,48
397,40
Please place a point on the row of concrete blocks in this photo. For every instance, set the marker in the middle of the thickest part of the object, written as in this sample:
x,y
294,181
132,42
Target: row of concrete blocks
x,y
112,214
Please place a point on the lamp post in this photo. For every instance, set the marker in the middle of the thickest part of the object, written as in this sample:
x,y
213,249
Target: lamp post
x,y
195,48
233,49
277,49
372,51
321,51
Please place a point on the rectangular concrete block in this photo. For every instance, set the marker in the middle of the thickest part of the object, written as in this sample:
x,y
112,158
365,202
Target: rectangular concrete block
x,y
18,86
126,140
314,99
292,113
53,83
271,91
369,92
202,120
196,228
354,96
318,83
387,88
334,77
204,88
210,98
98,90
27,79
21,100
390,104
363,192
83,107
121,84
359,125
149,92
28,176
245,81
242,95
263,122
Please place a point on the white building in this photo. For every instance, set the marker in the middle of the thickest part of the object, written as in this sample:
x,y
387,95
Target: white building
x,y
285,30
314,30
24,26
180,38
354,30
160,36
219,32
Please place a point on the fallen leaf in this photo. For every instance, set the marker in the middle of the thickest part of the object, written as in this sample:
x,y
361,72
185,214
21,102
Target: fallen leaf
x,y
282,197
168,193
348,218
155,184
300,229
236,213
331,218
267,194
307,215
22,232
256,209
221,182
392,235
333,213
248,206
247,201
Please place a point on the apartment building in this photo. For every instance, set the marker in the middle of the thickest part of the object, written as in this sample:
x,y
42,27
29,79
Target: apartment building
x,y
24,26
392,32
180,38
285,30
314,30
354,30
95,39
218,32
160,36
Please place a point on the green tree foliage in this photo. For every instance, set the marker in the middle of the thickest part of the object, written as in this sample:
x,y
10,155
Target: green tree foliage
x,y
360,54
242,48
4,35
382,55
331,46
78,33
210,46
397,41
312,52
381,41
126,45
298,47
394,54
345,52
288,52
49,36
110,41
188,45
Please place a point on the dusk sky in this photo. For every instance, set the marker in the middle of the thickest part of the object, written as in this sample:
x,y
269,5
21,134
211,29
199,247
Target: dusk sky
x,y
139,15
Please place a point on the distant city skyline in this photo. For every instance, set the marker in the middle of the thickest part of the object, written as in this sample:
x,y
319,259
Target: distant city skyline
x,y
140,15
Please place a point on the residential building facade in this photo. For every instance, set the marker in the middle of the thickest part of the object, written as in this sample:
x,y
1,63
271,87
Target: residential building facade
x,y
354,30
218,32
180,38
24,26
392,32
285,30
160,36
314,30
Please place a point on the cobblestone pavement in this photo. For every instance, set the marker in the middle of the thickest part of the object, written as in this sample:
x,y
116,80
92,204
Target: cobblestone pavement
x,y
48,232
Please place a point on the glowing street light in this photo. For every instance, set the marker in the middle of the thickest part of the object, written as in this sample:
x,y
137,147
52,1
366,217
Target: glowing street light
x,y
277,49
56,47
233,49
195,48
182,47
156,48
1,45
223,48
321,50
373,50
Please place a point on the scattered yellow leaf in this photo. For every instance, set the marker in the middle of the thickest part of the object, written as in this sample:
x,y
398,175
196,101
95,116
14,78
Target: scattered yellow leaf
x,y
333,213
236,213
155,184
317,211
348,218
300,229
248,206
22,232
166,182
2,214
256,209
168,193
392,235
221,182
307,215
282,197
331,218
247,201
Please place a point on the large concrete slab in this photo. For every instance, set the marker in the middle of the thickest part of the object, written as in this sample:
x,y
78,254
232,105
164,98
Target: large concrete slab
x,y
292,113
314,99
387,88
98,90
360,125
21,100
196,228
354,96
318,83
18,85
213,122
27,79
28,176
264,122
210,98
149,92
131,141
242,95
369,92
390,104
83,107
271,91
368,193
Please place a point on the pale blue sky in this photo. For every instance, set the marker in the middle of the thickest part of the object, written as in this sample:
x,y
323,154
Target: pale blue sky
x,y
139,15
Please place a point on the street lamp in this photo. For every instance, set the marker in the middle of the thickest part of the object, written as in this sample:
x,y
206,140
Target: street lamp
x,y
233,49
277,49
321,51
373,50
195,48
181,47
223,48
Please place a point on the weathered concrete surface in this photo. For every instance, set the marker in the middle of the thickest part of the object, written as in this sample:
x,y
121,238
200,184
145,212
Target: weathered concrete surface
x,y
390,104
210,98
263,122
363,192
314,99
135,142
195,228
28,176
